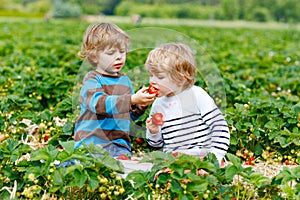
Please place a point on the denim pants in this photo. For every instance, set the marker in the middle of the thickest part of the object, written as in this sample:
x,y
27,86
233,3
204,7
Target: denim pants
x,y
116,150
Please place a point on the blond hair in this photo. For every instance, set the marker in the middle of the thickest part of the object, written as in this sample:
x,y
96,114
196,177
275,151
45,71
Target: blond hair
x,y
175,59
99,36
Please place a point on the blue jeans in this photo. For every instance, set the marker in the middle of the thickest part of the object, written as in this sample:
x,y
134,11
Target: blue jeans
x,y
116,150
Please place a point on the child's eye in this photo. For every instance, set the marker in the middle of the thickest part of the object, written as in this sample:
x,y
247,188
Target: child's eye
x,y
122,51
109,52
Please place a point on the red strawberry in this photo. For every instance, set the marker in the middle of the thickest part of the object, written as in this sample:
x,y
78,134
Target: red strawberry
x,y
175,154
152,90
46,137
287,162
139,140
247,163
157,119
123,157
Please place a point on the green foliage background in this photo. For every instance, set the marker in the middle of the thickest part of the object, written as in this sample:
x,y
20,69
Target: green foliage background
x,y
40,71
252,10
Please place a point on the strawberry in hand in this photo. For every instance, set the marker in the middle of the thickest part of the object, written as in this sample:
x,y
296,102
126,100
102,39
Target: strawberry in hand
x,y
157,119
152,90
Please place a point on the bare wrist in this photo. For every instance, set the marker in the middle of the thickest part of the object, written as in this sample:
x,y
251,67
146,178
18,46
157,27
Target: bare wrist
x,y
133,100
154,131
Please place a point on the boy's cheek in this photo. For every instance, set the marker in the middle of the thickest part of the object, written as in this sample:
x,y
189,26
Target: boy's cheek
x,y
153,79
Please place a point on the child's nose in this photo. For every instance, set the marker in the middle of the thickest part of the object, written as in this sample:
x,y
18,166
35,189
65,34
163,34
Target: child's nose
x,y
153,81
118,55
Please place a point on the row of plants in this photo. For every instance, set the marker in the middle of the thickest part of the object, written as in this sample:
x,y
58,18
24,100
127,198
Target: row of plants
x,y
43,174
257,70
269,10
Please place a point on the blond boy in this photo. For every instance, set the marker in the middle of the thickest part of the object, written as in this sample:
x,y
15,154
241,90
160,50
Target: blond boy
x,y
192,123
107,99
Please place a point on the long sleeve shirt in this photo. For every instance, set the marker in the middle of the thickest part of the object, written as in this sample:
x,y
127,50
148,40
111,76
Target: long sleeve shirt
x,y
105,110
193,124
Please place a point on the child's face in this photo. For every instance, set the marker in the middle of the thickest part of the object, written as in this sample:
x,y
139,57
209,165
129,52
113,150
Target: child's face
x,y
111,60
164,85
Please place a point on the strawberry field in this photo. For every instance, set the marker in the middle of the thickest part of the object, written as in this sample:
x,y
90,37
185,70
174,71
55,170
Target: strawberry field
x,y
253,75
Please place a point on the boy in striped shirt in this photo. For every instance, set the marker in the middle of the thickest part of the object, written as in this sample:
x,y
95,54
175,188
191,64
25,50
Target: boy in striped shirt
x,y
192,123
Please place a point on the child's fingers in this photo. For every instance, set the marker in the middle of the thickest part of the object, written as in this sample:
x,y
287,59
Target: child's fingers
x,y
144,89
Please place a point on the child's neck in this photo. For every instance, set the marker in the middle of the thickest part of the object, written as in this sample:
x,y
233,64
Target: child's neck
x,y
176,92
107,73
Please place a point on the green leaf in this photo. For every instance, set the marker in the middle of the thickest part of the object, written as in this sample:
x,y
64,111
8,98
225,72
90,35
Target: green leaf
x,y
138,178
110,162
176,187
54,188
234,159
68,128
258,149
58,177
193,177
80,178
234,140
68,146
287,175
186,196
230,172
93,181
258,179
209,166
197,186
72,168
40,154
159,159
271,125
163,178
283,141
211,179
175,175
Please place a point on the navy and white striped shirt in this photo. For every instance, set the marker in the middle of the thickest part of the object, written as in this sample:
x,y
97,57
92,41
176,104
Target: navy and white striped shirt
x,y
193,124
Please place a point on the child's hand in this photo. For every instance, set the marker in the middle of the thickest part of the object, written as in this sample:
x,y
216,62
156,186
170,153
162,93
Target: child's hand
x,y
154,129
142,97
154,123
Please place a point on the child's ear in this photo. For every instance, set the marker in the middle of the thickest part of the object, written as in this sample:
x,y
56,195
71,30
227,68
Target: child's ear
x,y
94,58
183,80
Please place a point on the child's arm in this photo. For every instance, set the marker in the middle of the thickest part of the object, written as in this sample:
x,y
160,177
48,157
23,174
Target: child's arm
x,y
213,117
153,128
100,102
153,138
142,97
153,132
220,133
140,102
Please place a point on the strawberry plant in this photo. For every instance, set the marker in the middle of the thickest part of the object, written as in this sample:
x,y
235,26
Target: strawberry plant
x,y
252,74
